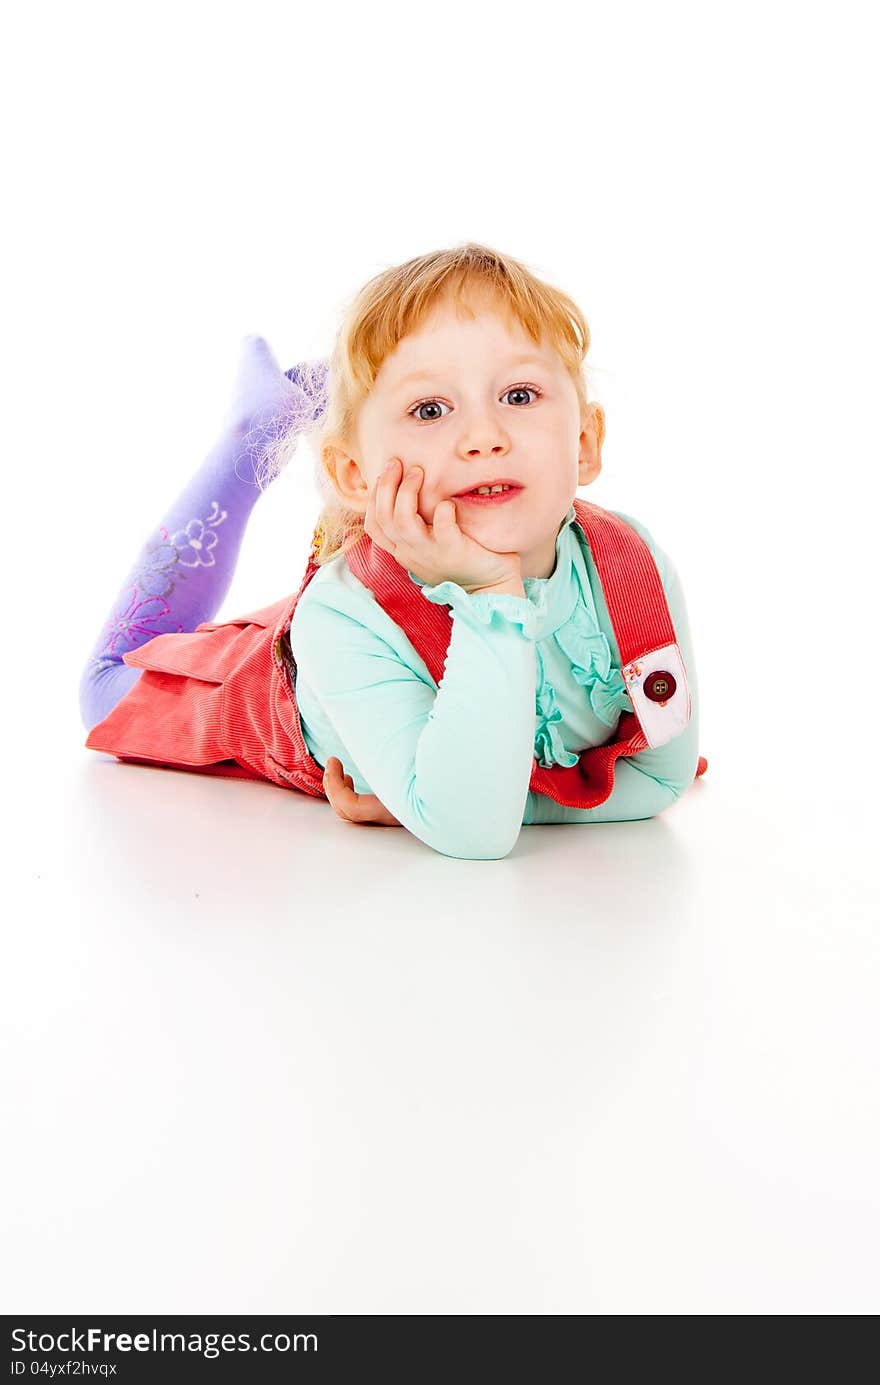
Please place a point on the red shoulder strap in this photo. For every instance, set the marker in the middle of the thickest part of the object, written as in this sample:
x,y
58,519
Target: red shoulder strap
x,y
427,626
630,582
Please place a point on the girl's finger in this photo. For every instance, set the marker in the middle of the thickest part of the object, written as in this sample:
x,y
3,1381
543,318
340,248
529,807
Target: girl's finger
x,y
407,520
333,775
339,795
370,513
386,494
339,778
372,522
445,517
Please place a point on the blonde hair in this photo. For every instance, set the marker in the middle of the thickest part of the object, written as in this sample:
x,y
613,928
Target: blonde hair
x,y
394,304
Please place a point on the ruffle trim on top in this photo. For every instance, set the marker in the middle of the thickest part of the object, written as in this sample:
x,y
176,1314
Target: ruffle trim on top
x,y
589,654
549,749
485,606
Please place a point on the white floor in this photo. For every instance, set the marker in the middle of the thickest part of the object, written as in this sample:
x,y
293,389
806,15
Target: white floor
x,y
266,1061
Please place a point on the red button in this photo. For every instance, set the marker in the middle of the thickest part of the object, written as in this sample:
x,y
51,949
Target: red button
x,y
659,686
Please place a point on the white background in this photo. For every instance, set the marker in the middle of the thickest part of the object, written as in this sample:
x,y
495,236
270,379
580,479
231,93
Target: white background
x,y
260,1060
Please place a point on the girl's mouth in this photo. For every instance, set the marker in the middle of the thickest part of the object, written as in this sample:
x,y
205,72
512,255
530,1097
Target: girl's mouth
x,y
494,498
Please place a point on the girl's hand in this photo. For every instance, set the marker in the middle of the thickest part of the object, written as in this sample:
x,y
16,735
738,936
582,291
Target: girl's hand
x,y
353,807
437,552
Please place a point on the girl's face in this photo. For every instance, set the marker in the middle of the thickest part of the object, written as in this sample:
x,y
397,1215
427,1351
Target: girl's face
x,y
475,402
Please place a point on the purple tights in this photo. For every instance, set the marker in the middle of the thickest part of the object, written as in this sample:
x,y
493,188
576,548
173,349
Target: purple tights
x,y
185,569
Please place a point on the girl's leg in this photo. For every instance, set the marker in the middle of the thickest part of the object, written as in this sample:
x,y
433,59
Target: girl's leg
x,y
185,569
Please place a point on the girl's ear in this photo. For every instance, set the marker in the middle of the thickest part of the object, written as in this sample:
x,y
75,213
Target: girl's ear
x,y
346,477
590,456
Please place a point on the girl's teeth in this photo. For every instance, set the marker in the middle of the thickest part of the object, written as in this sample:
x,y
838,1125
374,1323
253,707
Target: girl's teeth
x,y
489,490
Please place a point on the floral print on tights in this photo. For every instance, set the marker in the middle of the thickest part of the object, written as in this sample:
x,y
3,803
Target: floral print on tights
x,y
143,611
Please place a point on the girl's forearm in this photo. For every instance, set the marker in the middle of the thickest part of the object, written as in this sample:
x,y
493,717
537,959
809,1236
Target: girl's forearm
x,y
450,762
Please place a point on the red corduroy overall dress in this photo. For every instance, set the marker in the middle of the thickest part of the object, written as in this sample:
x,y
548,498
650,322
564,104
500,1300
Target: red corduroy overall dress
x,y
221,700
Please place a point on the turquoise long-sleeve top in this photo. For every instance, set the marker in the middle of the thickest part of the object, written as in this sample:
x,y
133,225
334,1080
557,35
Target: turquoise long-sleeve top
x,y
538,675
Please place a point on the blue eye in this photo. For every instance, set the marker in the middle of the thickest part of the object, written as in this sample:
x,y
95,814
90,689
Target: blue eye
x,y
514,389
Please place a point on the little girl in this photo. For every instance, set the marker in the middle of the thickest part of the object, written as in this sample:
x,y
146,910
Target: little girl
x,y
472,649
